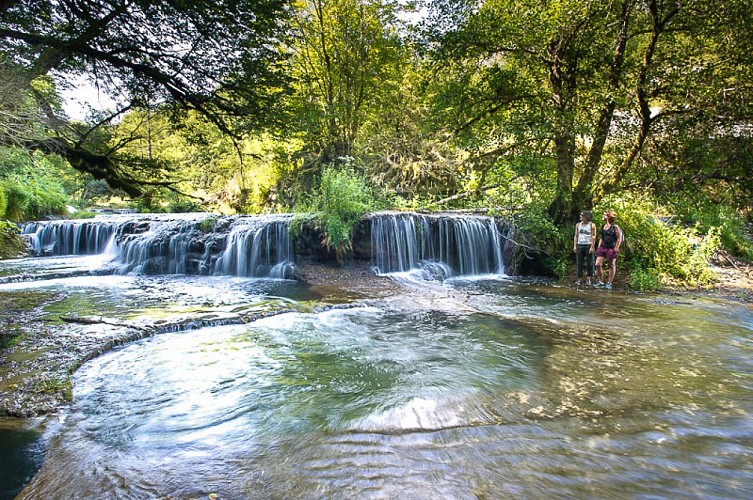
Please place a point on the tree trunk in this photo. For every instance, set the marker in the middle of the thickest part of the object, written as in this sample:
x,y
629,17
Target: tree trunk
x,y
562,208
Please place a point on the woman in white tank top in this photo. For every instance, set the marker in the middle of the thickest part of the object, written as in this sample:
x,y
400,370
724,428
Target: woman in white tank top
x,y
583,245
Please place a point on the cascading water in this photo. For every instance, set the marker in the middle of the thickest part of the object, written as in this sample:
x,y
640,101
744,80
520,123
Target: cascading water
x,y
250,246
246,388
440,245
69,237
258,251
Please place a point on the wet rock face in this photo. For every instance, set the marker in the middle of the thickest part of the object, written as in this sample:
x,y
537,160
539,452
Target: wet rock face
x,y
12,244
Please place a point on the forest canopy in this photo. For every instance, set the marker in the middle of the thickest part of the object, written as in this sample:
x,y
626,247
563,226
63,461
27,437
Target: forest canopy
x,y
222,60
243,106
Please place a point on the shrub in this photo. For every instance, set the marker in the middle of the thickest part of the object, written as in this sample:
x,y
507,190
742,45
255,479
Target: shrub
x,y
343,199
30,198
730,222
536,233
84,214
644,280
32,184
206,225
182,206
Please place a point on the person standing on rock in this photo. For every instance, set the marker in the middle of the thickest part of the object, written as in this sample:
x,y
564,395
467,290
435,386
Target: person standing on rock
x,y
583,246
609,249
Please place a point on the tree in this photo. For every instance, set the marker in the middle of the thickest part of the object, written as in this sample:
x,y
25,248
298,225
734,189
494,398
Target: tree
x,y
222,59
594,89
345,49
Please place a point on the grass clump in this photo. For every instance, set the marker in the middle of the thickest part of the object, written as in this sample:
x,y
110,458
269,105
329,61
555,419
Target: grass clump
x,y
52,386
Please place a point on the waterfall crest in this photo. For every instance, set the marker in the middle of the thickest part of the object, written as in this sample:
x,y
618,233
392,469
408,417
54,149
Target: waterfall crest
x,y
77,237
437,246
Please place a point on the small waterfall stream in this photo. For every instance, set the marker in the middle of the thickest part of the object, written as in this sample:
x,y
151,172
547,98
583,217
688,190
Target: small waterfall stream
x,y
443,246
79,237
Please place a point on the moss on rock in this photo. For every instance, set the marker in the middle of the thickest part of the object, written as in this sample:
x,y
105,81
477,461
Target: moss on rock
x,y
11,243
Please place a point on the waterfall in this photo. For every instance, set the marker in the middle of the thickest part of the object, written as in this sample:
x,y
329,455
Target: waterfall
x,y
439,246
251,246
258,251
442,245
68,237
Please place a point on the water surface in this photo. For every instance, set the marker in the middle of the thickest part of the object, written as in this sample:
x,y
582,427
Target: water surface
x,y
471,388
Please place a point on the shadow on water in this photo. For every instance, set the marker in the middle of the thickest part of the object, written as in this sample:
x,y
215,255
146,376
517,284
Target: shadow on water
x,y
21,456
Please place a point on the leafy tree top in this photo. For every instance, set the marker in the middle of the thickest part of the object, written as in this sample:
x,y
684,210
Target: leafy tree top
x,y
218,57
221,58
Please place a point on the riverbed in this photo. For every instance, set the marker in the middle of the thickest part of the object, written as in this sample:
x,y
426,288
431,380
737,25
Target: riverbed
x,y
481,387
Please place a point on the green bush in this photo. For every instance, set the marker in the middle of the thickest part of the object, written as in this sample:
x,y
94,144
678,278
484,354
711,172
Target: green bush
x,y
644,280
342,200
32,184
207,224
84,214
537,234
182,206
30,198
730,222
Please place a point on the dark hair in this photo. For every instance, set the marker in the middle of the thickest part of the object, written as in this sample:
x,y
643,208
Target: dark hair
x,y
586,214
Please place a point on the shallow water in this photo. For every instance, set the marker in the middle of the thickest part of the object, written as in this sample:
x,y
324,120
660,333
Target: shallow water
x,y
482,388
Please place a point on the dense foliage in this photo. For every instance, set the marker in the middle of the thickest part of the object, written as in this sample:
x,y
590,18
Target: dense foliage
x,y
535,110
342,199
222,60
608,96
32,186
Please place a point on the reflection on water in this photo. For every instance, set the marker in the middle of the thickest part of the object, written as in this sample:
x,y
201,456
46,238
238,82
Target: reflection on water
x,y
21,455
470,389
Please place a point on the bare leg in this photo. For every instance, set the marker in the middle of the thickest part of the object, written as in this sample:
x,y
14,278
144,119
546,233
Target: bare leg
x,y
612,269
600,269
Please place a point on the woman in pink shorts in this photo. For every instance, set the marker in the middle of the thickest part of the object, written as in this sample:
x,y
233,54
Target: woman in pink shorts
x,y
609,249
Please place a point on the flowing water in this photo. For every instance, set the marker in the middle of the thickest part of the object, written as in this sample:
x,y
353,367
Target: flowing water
x,y
465,387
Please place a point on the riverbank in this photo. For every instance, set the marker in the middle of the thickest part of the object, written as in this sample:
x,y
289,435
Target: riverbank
x,y
734,281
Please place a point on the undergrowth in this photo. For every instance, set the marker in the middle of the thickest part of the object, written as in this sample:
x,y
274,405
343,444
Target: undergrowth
x,y
343,198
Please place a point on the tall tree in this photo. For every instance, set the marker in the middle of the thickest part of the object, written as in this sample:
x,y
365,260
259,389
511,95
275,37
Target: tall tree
x,y
593,86
345,49
220,58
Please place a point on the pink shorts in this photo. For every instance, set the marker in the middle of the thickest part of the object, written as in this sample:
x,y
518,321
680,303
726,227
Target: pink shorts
x,y
607,253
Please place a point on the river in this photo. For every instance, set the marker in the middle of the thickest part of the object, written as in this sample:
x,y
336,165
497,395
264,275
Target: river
x,y
479,386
